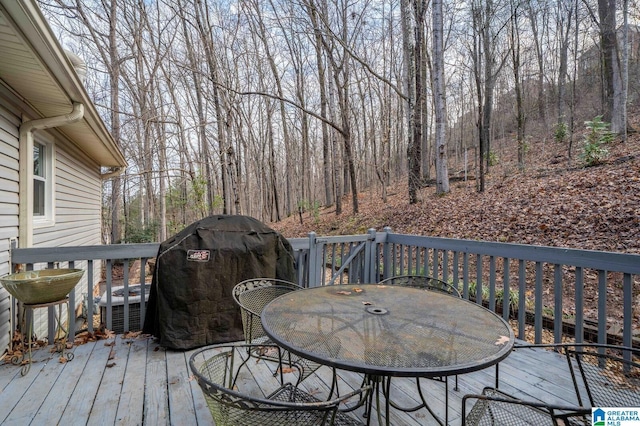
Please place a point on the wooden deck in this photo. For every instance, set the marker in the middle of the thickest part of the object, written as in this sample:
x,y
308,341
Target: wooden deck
x,y
136,382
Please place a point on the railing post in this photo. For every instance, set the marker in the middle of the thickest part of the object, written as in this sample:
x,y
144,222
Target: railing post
x,y
386,254
314,267
369,257
90,307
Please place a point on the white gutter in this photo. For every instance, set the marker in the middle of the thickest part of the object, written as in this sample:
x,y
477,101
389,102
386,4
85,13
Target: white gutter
x,y
108,175
25,222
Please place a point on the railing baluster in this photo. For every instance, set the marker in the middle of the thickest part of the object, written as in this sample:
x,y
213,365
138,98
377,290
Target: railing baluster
x,y
465,275
109,323
143,275
71,312
506,290
602,306
445,266
557,311
456,272
579,302
479,278
492,283
537,324
90,307
627,310
522,298
125,279
50,315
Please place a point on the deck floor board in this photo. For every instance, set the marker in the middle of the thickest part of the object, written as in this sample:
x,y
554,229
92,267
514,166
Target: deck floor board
x,y
131,403
137,382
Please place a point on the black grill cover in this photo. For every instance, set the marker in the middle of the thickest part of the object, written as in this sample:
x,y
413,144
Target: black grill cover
x,y
190,302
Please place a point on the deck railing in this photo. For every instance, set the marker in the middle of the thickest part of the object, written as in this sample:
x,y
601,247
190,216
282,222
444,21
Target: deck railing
x,y
579,294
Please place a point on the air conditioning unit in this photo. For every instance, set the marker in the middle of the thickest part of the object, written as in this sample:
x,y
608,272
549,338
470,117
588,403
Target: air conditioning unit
x,y
117,307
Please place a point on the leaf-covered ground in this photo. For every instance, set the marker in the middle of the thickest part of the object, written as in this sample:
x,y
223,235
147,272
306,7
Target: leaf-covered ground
x,y
551,203
554,202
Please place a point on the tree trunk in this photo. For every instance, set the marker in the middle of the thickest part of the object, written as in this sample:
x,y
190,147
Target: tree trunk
x,y
114,81
515,58
411,36
612,72
564,17
206,37
442,174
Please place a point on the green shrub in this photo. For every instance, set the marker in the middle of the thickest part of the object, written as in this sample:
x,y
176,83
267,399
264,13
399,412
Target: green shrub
x,y
135,233
593,151
560,132
312,206
493,158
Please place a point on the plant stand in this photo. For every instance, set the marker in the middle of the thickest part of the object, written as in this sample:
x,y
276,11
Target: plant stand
x,y
60,343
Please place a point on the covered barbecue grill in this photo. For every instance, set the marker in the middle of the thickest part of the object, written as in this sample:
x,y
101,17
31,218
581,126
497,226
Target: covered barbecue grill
x,y
190,303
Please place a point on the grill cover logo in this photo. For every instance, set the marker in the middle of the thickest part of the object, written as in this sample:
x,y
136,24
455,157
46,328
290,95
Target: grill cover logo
x,y
198,255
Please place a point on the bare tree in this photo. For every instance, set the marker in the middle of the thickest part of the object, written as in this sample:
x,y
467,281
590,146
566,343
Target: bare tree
x,y
442,174
488,61
615,100
564,19
412,36
514,38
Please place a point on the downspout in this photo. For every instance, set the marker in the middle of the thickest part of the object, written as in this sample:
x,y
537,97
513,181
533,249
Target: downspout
x,y
25,222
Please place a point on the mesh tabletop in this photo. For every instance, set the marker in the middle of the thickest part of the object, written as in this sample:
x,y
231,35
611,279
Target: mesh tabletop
x,y
388,330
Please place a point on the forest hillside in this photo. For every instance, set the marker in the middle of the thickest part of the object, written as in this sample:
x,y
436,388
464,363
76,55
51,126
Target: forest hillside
x,y
553,202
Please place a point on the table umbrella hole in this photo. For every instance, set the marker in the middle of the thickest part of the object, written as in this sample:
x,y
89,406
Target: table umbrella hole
x,y
377,311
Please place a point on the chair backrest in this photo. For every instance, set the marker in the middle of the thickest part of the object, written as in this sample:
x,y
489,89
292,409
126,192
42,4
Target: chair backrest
x,y
252,296
235,398
421,281
610,374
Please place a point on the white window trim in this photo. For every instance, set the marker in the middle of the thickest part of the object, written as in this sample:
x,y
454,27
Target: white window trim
x,y
48,219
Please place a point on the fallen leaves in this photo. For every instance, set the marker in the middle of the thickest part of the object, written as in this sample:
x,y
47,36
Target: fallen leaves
x,y
132,334
502,340
268,351
87,336
554,202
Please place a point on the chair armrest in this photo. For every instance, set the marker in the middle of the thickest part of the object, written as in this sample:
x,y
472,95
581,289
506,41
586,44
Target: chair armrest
x,y
496,403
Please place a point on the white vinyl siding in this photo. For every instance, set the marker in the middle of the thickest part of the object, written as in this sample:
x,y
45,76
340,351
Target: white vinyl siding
x,y
9,124
77,213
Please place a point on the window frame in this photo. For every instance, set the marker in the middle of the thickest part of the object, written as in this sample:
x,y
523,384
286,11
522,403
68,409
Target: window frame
x,y
48,218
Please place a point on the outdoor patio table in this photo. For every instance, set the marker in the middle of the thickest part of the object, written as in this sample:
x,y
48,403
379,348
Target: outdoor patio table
x,y
389,331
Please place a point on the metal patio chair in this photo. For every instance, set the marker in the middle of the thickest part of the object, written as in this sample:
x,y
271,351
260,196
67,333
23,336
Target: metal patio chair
x,y
235,397
430,284
602,375
252,296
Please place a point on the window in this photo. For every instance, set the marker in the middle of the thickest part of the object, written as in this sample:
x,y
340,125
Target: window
x,y
39,178
42,183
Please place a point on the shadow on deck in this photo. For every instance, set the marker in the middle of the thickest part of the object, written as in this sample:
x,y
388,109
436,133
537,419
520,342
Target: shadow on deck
x,y
134,381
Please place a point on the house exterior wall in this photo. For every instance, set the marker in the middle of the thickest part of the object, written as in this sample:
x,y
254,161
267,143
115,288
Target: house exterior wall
x,y
77,213
9,123
77,191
